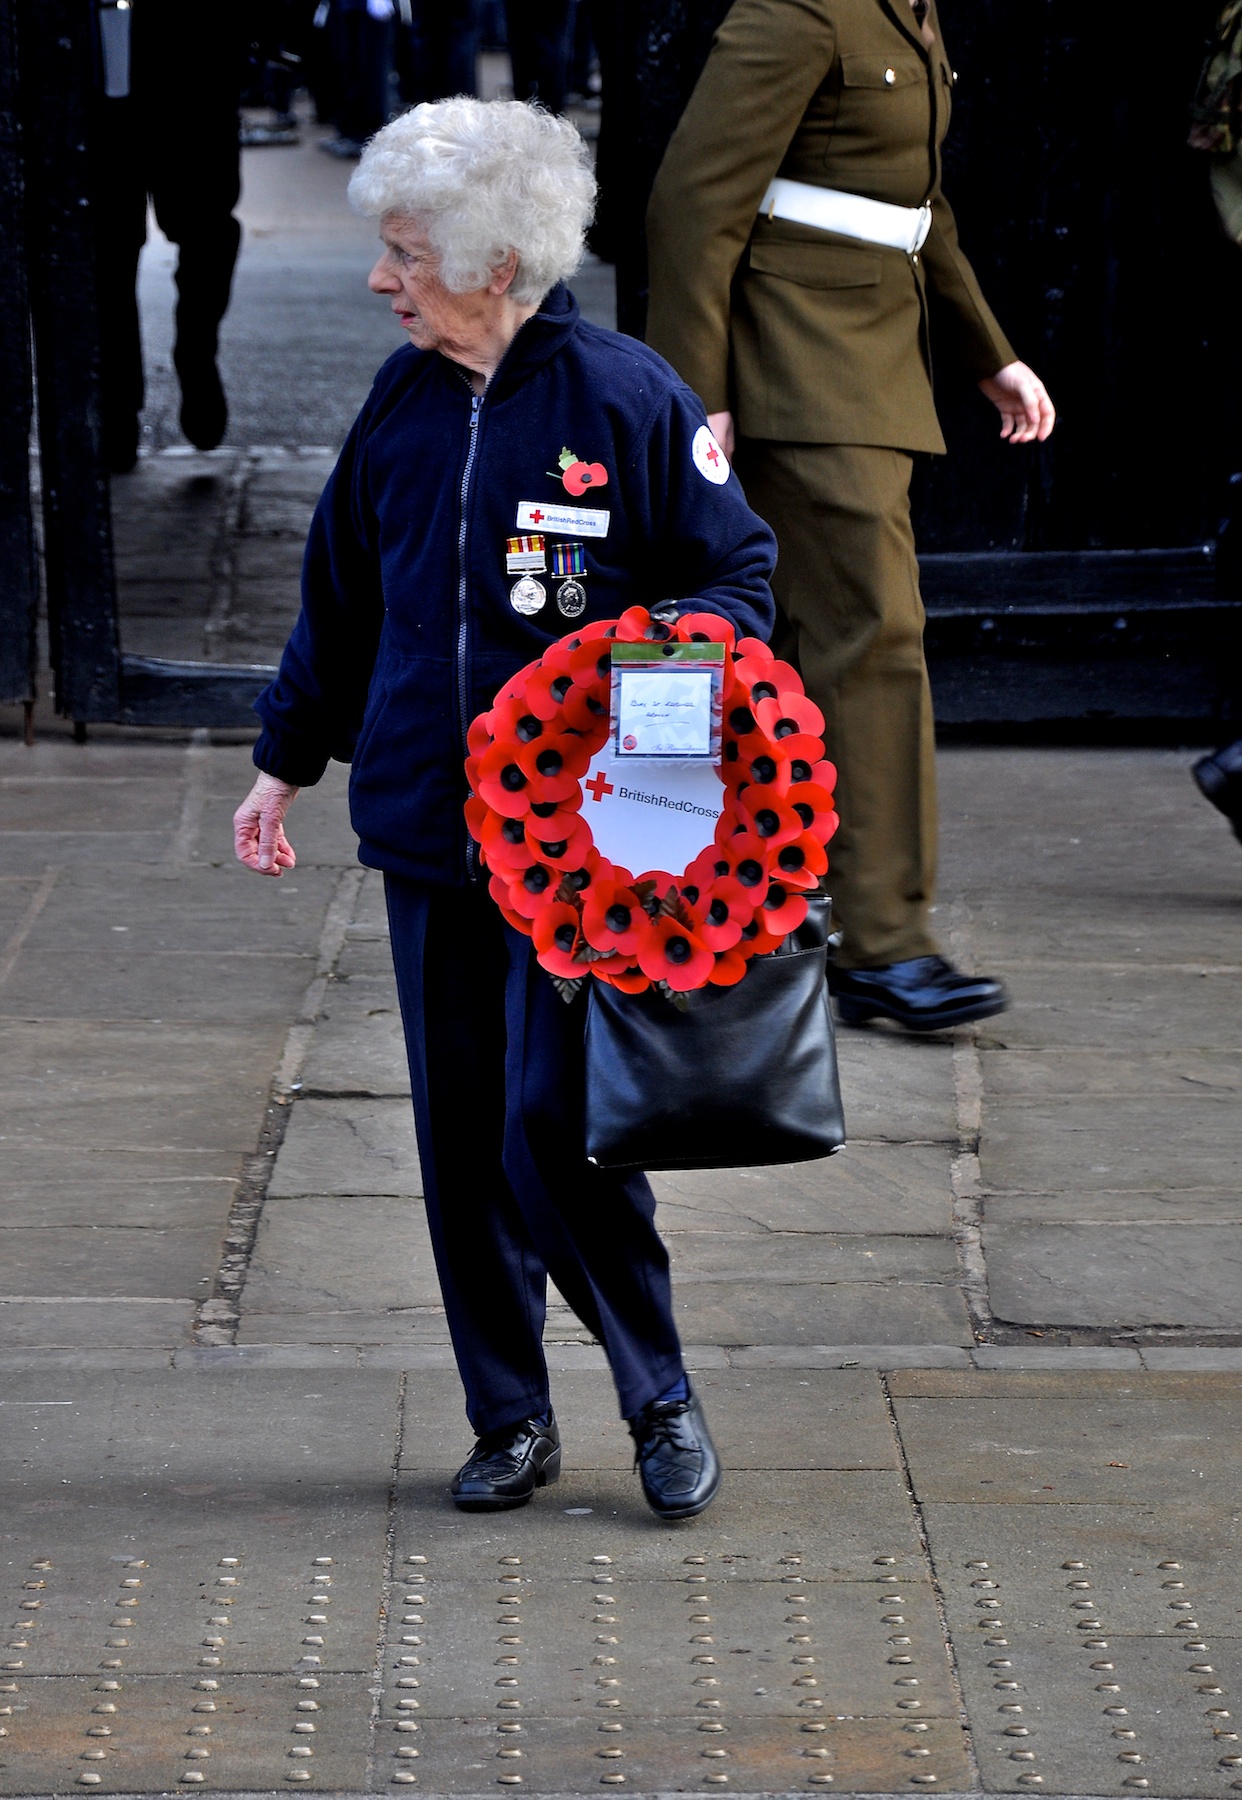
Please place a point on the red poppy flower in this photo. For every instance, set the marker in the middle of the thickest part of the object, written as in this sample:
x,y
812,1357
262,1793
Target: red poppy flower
x,y
546,690
580,476
706,867
754,650
770,817
579,882
586,709
498,888
555,936
502,782
636,626
591,666
771,679
721,911
613,918
554,819
506,846
711,626
801,863
761,941
783,911
629,980
813,805
480,734
747,857
661,881
477,814
669,952
564,850
553,754
794,723
534,889
729,968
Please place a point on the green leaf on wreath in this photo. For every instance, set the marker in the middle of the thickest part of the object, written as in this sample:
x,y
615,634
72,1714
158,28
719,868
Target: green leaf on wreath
x,y
587,953
673,996
568,990
567,458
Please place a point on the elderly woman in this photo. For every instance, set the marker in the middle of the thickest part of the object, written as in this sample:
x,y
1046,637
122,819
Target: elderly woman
x,y
416,608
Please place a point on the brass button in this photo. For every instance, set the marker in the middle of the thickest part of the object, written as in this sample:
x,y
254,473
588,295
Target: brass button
x,y
890,76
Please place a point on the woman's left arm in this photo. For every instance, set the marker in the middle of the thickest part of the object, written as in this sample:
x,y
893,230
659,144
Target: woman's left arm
x,y
705,546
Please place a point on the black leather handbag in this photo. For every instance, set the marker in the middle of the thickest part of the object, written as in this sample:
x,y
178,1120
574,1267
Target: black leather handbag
x,y
745,1075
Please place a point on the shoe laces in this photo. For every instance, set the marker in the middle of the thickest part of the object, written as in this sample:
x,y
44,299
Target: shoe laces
x,y
658,1426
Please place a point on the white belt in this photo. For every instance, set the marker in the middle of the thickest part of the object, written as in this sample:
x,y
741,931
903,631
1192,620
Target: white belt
x,y
875,221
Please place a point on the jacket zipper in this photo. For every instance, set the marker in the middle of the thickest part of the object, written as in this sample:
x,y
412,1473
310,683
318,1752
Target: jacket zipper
x,y
463,703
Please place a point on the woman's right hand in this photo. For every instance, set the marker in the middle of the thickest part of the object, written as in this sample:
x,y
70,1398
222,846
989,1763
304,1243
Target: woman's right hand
x,y
258,827
721,427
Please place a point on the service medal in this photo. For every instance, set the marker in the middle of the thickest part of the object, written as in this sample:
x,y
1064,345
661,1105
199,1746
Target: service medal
x,y
528,596
571,599
525,556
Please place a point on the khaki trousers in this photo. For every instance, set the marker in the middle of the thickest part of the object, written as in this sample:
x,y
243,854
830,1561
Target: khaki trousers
x,y
851,620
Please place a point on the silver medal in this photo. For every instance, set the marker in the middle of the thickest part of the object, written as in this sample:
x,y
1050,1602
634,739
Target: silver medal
x,y
571,599
528,596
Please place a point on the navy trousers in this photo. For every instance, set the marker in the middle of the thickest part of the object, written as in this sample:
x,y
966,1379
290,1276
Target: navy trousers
x,y
496,1069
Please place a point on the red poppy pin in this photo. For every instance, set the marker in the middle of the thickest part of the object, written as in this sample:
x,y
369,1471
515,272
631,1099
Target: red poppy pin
x,y
577,475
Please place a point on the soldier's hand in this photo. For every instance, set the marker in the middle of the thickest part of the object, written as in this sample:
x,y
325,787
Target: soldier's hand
x,y
1020,397
258,828
721,427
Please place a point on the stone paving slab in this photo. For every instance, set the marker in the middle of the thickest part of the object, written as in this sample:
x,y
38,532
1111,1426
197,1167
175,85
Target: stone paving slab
x,y
349,1147
318,1255
1091,1274
866,1188
83,1322
1112,1143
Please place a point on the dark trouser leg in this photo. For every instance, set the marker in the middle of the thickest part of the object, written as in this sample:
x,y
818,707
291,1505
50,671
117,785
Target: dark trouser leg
x,y
509,1194
194,197
538,32
362,46
439,50
847,585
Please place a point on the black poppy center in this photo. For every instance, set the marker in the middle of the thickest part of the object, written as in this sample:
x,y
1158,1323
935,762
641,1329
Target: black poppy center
x,y
554,850
731,751
722,868
763,690
785,728
741,720
791,859
800,770
750,931
604,666
512,778
564,936
805,813
549,762
775,897
543,809
763,769
617,918
513,831
749,873
718,912
560,687
536,878
767,822
529,728
678,950
577,879
656,632
595,706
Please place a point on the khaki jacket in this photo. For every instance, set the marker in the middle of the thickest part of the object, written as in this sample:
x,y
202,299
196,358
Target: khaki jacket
x,y
808,336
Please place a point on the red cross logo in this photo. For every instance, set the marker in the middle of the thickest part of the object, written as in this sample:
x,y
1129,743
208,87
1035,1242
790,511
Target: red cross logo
x,y
713,455
536,518
599,785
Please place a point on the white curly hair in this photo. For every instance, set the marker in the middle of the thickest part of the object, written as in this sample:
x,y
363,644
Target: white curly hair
x,y
484,177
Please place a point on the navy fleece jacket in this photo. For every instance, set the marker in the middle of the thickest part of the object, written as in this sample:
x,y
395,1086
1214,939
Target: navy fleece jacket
x,y
406,630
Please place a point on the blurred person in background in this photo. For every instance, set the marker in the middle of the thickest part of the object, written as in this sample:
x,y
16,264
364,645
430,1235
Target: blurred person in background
x,y
436,49
165,131
360,45
540,36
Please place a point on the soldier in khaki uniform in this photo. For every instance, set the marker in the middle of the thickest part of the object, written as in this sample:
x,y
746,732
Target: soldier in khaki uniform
x,y
795,231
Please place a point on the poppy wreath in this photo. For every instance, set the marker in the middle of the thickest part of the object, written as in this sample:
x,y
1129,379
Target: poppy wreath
x,y
742,894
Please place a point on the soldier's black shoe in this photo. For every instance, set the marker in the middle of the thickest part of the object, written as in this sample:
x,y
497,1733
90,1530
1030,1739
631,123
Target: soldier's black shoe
x,y
204,410
1219,779
675,1456
506,1466
924,994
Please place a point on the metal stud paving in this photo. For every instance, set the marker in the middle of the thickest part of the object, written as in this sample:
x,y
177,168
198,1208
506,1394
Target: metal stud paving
x,y
635,1665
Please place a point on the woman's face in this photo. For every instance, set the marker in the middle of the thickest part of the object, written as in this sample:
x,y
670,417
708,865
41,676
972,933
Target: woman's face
x,y
435,318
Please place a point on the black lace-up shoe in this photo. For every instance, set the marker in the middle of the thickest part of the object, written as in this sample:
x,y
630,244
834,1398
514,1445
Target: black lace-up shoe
x,y
506,1466
1219,779
924,994
675,1456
